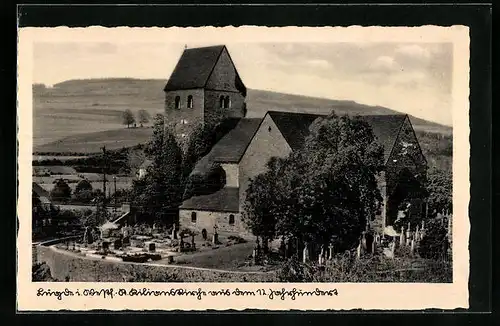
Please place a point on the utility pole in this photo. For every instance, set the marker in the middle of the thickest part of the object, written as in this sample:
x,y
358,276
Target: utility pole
x,y
114,179
104,175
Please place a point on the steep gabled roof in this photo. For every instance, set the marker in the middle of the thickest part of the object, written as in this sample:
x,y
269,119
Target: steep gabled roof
x,y
386,129
224,200
194,68
293,126
39,190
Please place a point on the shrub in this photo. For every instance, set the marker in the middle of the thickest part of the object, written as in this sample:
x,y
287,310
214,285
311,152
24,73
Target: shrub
x,y
434,244
293,270
40,272
61,191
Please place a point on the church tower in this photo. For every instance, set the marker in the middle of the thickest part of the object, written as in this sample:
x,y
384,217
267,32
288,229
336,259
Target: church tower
x,y
204,84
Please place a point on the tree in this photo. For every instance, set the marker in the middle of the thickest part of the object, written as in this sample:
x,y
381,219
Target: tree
x,y
207,183
61,191
143,117
160,191
440,190
83,191
324,192
128,118
434,244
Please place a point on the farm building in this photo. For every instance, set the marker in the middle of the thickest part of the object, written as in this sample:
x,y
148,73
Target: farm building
x,y
244,151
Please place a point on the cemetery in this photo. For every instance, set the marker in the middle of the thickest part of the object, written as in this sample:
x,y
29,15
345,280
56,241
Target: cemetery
x,y
144,243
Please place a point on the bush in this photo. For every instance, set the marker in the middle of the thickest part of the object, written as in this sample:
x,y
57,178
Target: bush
x,y
434,244
40,272
293,270
61,191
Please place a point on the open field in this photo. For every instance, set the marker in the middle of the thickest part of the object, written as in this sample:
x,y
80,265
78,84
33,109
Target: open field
x,y
82,115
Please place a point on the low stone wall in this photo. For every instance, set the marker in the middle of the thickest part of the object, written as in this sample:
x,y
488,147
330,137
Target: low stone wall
x,y
68,267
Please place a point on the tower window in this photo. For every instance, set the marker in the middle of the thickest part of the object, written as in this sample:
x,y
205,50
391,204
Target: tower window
x,y
177,102
227,102
221,102
193,217
231,219
190,102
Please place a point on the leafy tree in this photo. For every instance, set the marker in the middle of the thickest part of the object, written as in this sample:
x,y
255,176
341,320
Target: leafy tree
x,y
207,183
128,118
440,189
261,200
202,139
434,244
325,191
61,191
160,190
143,117
83,191
83,185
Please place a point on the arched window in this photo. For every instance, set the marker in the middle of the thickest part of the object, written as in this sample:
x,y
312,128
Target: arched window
x,y
177,102
193,217
227,102
221,102
190,102
231,219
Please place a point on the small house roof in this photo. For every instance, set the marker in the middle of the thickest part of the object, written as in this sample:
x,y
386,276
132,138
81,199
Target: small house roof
x,y
145,164
40,191
109,226
224,200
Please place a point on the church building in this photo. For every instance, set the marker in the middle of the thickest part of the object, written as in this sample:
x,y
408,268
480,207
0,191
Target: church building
x,y
244,151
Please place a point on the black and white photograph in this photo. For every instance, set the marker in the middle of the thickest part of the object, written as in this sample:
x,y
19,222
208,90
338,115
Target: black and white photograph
x,y
223,159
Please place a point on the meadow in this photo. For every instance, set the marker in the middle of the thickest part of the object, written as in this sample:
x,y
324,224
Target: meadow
x,y
80,116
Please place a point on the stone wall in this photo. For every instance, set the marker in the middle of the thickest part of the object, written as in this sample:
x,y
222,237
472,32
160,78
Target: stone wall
x,y
183,119
268,142
66,266
212,104
206,220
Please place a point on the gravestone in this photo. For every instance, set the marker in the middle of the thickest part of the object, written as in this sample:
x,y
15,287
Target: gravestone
x,y
412,248
402,237
282,248
305,253
321,255
105,246
330,251
215,237
152,247
358,251
126,241
174,232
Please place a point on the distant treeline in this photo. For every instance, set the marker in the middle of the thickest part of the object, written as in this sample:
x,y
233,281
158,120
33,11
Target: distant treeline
x,y
116,162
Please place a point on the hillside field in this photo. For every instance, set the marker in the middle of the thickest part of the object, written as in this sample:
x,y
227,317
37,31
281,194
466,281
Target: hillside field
x,y
83,115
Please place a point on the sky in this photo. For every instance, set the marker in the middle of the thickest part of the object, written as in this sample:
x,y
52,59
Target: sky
x,y
414,78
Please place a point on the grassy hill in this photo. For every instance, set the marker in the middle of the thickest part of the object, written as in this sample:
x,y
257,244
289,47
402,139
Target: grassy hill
x,y
83,115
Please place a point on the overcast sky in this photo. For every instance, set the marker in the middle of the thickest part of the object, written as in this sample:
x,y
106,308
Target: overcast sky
x,y
415,78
